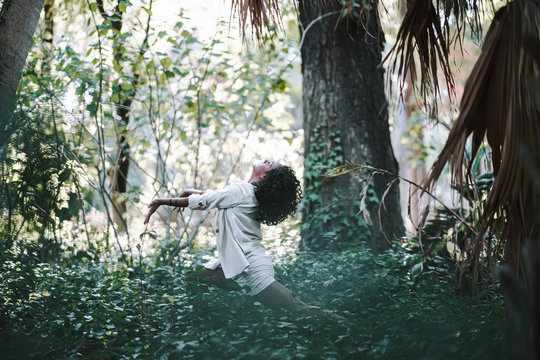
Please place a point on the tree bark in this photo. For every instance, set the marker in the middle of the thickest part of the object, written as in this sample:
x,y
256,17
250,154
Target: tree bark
x,y
345,119
119,171
417,173
18,21
123,101
47,36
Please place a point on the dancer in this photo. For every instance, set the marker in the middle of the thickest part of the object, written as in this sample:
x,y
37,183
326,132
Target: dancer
x,y
271,194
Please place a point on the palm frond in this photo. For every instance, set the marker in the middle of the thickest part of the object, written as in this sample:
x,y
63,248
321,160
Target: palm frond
x,y
428,32
262,15
497,104
421,33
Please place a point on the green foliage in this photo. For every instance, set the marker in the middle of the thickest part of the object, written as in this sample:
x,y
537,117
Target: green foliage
x,y
413,138
105,310
42,162
324,224
38,190
194,97
195,106
445,233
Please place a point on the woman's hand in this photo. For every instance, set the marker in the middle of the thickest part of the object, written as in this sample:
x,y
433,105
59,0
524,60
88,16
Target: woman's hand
x,y
152,209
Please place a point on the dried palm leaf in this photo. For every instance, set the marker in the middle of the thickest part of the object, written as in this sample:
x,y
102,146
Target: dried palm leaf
x,y
497,104
261,14
459,13
421,33
427,33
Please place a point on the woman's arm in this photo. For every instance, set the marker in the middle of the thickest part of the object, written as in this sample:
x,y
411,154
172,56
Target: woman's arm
x,y
228,197
188,192
231,196
181,202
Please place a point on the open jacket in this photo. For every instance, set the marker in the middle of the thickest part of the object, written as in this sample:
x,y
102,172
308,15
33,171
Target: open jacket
x,y
237,230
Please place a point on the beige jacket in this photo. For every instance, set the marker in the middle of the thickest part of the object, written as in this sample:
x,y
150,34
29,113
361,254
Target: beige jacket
x,y
237,231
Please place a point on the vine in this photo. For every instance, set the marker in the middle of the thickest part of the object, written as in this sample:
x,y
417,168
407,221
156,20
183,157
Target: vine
x,y
331,225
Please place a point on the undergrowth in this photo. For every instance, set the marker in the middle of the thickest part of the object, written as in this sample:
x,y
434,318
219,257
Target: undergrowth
x,y
106,311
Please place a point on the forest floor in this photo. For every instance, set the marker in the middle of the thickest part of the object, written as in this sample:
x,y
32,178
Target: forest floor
x,y
104,310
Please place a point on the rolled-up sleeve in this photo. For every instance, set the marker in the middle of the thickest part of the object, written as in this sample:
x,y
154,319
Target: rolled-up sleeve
x,y
220,199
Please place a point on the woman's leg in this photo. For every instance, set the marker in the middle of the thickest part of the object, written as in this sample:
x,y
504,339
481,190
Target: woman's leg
x,y
278,296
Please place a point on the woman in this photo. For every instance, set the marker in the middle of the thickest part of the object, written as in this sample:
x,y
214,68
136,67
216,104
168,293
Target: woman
x,y
271,194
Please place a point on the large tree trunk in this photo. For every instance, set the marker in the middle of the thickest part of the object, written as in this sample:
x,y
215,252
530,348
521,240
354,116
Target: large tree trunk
x,y
18,21
345,118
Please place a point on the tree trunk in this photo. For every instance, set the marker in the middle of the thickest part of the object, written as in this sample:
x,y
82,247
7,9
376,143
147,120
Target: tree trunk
x,y
122,100
18,21
417,172
119,172
345,119
47,36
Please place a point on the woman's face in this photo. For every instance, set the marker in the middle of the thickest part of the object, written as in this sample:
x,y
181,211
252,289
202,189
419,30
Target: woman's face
x,y
260,169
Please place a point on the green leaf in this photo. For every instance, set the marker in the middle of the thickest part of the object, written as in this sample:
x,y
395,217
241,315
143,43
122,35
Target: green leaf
x,y
166,62
126,86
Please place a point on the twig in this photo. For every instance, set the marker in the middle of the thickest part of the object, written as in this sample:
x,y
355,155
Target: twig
x,y
357,168
313,22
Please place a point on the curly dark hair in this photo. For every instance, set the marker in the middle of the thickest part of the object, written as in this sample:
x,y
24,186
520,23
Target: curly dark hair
x,y
279,194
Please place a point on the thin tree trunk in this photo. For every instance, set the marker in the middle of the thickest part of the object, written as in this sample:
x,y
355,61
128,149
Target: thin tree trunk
x,y
345,118
417,173
47,35
119,172
123,108
18,21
